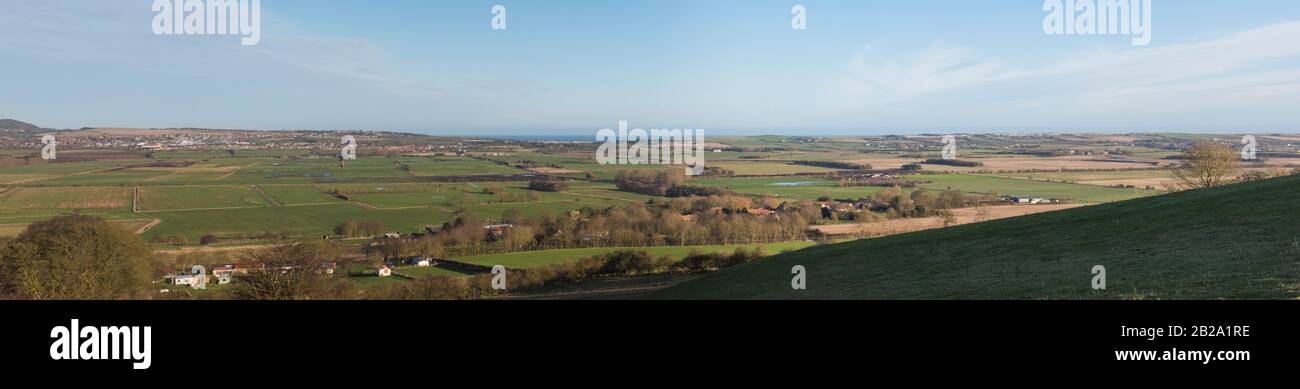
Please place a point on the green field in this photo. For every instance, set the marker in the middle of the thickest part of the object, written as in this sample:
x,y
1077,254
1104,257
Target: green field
x,y
421,272
299,194
29,204
1009,186
66,198
802,188
367,281
758,168
199,197
452,166
584,164
305,221
1236,242
548,257
114,177
1139,178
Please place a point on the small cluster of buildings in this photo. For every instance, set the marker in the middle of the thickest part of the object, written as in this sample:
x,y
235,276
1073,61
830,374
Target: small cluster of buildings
x,y
386,270
1029,200
224,274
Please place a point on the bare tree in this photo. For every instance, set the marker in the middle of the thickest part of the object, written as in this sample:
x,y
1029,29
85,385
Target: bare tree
x,y
982,214
1207,165
947,217
289,272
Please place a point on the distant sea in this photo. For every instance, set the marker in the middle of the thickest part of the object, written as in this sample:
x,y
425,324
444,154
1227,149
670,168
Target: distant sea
x,y
544,138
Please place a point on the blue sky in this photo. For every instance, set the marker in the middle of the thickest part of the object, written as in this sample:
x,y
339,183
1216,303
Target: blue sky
x,y
729,67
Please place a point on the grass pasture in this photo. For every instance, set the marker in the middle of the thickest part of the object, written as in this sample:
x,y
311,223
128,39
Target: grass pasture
x,y
1011,186
758,168
66,198
1139,178
306,221
803,188
453,166
431,271
123,177
199,197
300,194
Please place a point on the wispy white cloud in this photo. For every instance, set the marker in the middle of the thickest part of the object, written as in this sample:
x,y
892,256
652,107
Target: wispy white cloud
x,y
116,33
1257,68
872,80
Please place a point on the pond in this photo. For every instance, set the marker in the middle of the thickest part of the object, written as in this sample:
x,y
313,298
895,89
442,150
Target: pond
x,y
800,183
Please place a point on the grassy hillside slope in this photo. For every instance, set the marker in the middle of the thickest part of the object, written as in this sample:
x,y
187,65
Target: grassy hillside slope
x,y
1235,242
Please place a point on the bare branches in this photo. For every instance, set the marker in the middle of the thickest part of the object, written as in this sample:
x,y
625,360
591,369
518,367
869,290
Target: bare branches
x,y
1207,165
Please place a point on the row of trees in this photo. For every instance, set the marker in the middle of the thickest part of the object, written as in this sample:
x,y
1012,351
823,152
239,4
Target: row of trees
x,y
360,228
846,165
921,203
953,162
548,186
651,182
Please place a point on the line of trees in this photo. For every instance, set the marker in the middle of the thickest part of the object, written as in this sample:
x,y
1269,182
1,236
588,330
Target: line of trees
x,y
846,165
952,162
548,186
691,190
922,203
359,228
647,181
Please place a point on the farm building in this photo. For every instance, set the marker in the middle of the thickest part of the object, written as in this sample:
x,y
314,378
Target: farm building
x,y
497,230
384,271
1027,200
420,261
183,279
194,280
223,271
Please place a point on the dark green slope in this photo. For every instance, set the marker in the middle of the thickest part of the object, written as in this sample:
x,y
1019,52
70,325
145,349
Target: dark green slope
x,y
1234,242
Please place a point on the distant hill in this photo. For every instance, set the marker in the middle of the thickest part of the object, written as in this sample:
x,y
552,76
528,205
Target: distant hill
x,y
10,125
1235,242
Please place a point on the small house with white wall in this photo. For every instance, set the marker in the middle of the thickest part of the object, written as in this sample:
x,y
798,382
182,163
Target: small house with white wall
x,y
183,279
1027,200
